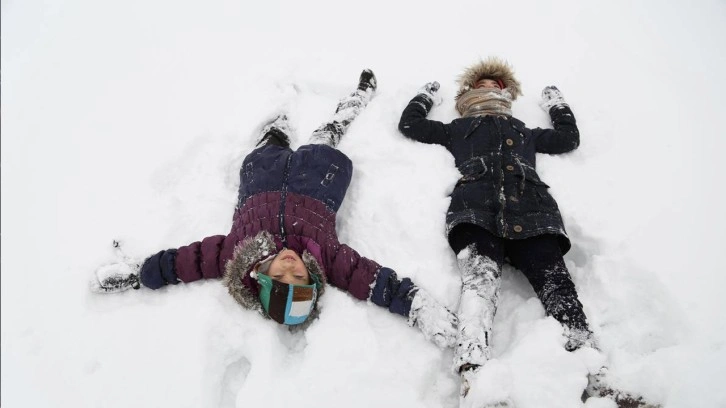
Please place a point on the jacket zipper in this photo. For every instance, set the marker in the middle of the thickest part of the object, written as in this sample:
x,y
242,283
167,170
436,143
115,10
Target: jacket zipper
x,y
283,199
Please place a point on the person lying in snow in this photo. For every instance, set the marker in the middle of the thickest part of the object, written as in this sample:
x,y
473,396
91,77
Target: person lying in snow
x,y
283,249
500,209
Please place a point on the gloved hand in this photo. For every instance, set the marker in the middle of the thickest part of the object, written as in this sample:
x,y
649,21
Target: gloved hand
x,y
551,97
116,277
436,322
431,91
367,81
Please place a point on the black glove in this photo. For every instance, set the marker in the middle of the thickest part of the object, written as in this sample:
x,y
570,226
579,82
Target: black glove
x,y
367,80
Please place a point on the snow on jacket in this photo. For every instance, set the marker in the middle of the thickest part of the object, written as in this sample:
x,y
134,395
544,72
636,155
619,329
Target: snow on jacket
x,y
499,189
292,197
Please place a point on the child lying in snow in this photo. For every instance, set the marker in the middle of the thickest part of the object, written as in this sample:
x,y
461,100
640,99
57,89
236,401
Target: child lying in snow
x,y
283,249
500,208
501,211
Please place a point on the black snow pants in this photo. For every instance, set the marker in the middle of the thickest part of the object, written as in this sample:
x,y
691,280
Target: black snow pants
x,y
540,260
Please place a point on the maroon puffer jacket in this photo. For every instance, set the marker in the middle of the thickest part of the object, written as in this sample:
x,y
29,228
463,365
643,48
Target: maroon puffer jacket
x,y
305,224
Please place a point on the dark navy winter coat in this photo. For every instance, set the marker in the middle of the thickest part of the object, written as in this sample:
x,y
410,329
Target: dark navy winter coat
x,y
294,195
499,189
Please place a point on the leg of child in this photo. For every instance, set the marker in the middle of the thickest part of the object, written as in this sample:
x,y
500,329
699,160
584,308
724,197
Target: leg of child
x,y
348,109
480,256
540,259
264,168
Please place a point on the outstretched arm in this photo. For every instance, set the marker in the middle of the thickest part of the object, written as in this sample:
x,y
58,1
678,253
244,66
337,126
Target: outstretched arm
x,y
565,136
199,260
413,123
203,259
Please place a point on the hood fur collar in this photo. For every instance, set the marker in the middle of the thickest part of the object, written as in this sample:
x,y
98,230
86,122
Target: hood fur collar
x,y
246,255
492,68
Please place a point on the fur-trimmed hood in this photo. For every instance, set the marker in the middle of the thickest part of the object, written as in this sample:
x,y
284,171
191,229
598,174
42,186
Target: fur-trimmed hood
x,y
491,68
246,255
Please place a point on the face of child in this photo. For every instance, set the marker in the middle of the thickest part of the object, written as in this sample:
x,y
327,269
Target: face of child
x,y
288,267
487,83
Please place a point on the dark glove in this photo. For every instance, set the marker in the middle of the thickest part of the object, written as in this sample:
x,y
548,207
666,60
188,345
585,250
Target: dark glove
x,y
367,81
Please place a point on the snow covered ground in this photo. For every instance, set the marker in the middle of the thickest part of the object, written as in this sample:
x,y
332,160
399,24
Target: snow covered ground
x,y
128,120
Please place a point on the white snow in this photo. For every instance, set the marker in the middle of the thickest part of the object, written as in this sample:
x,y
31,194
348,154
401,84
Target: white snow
x,y
129,119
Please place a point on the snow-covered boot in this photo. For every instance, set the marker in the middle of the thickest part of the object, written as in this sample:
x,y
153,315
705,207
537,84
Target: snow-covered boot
x,y
481,280
597,386
481,387
367,80
577,338
347,110
275,132
467,373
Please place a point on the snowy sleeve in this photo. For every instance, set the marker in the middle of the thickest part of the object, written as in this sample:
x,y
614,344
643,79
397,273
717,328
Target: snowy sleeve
x,y
414,125
346,269
199,260
365,279
565,136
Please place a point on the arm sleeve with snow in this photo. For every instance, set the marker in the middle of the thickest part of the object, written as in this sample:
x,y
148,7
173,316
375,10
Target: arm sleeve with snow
x,y
565,136
365,279
199,260
414,125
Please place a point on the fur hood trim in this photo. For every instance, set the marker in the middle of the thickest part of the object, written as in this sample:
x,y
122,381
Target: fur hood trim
x,y
491,68
246,255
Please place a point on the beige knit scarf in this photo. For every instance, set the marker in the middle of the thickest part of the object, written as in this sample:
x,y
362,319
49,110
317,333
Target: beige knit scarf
x,y
485,101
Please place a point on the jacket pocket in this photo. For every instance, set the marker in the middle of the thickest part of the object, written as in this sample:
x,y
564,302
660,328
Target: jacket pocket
x,y
248,170
473,169
530,175
330,175
533,192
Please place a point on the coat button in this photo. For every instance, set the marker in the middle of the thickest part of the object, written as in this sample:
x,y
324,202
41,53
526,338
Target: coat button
x,y
509,142
510,167
517,228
